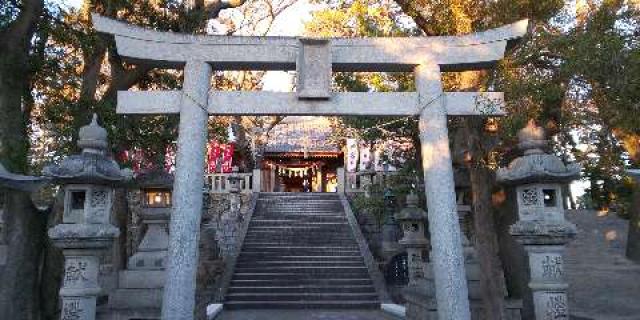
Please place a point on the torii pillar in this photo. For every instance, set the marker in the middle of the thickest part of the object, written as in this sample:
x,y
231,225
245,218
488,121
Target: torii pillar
x,y
452,294
180,285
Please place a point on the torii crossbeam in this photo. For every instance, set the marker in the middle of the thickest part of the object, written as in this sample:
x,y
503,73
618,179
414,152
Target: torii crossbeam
x,y
314,60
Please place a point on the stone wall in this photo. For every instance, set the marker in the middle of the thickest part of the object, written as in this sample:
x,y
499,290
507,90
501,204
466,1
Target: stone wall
x,y
216,234
127,216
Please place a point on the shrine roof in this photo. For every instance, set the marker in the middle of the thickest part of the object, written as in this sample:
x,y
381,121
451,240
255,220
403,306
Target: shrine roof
x,y
296,134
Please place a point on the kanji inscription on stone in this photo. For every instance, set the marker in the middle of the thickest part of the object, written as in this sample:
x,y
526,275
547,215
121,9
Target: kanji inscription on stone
x,y
415,264
75,271
71,310
557,308
552,267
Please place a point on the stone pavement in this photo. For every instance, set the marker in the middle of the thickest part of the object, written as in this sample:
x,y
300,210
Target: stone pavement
x,y
304,315
604,285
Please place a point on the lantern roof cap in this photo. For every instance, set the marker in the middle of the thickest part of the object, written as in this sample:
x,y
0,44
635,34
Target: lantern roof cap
x,y
93,137
91,166
411,211
536,165
154,178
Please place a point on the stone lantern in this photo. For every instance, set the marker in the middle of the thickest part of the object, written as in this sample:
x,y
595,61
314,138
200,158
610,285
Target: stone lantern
x,y
390,229
155,186
234,188
412,220
139,292
366,179
537,178
228,223
88,181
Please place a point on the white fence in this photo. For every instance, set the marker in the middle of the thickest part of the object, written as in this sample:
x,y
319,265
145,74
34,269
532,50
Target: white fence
x,y
359,181
219,182
353,182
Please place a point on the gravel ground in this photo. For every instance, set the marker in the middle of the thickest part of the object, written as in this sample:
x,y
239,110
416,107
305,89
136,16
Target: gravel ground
x,y
604,285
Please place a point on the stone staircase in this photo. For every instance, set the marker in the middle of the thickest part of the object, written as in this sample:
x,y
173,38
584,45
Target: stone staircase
x,y
300,252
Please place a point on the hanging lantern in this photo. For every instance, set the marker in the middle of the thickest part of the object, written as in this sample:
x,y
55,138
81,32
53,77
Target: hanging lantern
x,y
491,126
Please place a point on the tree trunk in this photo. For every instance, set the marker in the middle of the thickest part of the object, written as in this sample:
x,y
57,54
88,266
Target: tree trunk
x,y
631,143
15,72
486,238
20,279
633,238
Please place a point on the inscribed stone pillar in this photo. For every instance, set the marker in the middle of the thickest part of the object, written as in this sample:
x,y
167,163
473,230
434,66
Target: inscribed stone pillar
x,y
341,180
180,286
366,180
446,240
257,180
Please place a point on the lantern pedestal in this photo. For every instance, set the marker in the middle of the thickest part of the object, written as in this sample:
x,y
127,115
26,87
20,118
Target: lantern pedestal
x,y
153,249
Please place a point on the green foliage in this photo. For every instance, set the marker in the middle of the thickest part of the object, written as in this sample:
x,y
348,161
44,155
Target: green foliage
x,y
399,183
581,83
363,18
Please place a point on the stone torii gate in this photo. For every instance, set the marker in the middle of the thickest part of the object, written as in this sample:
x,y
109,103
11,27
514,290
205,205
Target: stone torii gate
x,y
314,60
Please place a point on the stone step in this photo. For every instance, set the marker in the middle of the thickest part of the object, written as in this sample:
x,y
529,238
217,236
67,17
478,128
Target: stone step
x,y
297,237
311,231
319,270
300,252
297,214
293,263
331,226
340,304
304,196
312,221
295,225
300,258
299,218
291,234
321,206
303,289
274,275
284,251
294,237
302,296
290,247
363,281
306,243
